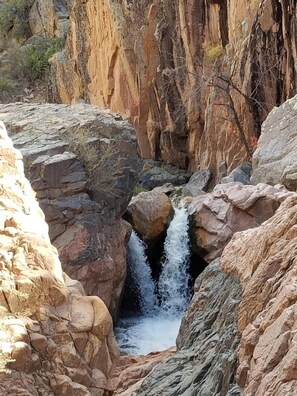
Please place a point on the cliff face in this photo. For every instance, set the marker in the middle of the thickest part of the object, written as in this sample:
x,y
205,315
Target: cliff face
x,y
53,338
196,78
82,163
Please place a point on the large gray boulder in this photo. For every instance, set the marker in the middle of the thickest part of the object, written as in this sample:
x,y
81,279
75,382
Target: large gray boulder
x,y
275,159
241,174
198,183
156,174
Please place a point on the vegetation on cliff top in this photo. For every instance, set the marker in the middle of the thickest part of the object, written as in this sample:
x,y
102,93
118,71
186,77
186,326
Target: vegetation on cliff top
x,y
22,61
14,18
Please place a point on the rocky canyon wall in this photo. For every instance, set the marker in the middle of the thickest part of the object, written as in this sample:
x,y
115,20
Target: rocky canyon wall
x,y
82,163
196,78
54,340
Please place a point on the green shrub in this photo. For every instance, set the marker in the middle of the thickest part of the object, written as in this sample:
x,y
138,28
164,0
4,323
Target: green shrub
x,y
31,60
14,18
7,89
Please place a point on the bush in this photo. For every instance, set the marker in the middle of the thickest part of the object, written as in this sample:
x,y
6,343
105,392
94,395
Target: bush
x,y
7,89
14,18
213,51
31,60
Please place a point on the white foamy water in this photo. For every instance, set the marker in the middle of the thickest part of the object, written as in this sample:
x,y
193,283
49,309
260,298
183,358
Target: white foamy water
x,y
174,278
142,275
158,327
142,335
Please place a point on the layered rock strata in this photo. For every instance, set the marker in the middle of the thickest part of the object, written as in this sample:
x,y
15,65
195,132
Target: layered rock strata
x,y
82,163
54,340
197,79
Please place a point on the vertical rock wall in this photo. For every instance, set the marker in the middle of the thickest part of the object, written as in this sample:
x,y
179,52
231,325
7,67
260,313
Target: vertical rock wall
x,y
159,62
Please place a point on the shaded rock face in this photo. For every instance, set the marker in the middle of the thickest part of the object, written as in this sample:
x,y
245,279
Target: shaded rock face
x,y
197,184
150,214
82,210
275,159
241,174
155,174
264,260
54,339
159,73
131,370
205,360
230,208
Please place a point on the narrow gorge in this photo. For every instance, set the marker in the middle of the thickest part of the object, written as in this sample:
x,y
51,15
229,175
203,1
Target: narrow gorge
x,y
148,205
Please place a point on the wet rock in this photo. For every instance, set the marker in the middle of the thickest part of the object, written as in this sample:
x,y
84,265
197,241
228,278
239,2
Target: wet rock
x,y
206,347
150,213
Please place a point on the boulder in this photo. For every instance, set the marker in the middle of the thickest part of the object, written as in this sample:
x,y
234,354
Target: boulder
x,y
264,260
230,208
150,213
155,174
275,160
52,335
197,184
82,164
241,174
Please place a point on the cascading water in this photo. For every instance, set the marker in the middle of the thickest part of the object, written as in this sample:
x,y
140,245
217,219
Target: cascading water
x,y
142,275
158,326
174,278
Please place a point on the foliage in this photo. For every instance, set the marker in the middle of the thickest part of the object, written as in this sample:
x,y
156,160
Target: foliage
x,y
213,51
7,89
14,18
31,60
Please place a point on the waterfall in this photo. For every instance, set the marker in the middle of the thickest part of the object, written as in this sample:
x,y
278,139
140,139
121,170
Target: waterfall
x,y
141,273
174,278
158,326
